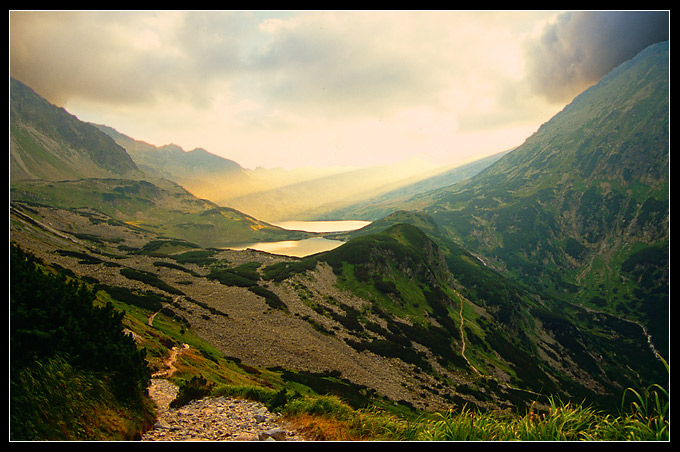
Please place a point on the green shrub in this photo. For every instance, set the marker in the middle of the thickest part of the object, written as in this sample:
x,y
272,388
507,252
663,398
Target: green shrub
x,y
52,318
198,257
150,279
274,400
194,389
326,405
145,300
283,270
270,297
229,277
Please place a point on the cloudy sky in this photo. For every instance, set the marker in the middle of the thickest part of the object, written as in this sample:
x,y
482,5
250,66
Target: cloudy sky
x,y
301,88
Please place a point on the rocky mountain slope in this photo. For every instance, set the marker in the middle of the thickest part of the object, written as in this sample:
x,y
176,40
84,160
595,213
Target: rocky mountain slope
x,y
48,143
580,211
58,160
260,323
384,314
499,292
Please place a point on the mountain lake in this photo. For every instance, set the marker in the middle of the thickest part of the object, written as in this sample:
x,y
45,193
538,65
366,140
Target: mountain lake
x,y
306,247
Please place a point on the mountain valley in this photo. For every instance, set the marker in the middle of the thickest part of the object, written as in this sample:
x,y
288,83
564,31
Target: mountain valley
x,y
535,273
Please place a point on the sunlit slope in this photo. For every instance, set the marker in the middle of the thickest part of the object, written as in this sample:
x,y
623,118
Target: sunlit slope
x,y
439,307
379,205
163,207
580,211
315,198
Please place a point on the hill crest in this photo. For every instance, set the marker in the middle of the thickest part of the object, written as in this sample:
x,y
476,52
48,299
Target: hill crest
x,y
46,142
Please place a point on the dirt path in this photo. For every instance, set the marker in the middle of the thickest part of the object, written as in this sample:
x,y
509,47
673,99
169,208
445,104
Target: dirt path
x,y
170,362
213,419
210,418
462,337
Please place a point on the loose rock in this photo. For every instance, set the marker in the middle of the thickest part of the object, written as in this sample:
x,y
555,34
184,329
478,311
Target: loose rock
x,y
213,419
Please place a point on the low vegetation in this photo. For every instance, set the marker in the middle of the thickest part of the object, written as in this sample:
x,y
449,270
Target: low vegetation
x,y
643,417
69,359
57,396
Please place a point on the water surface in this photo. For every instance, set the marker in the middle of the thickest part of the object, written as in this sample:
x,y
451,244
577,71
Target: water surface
x,y
295,248
305,247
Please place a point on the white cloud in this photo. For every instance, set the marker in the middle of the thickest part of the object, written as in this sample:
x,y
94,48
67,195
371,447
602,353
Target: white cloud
x,y
322,87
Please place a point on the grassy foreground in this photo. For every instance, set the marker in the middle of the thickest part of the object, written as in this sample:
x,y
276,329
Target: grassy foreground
x,y
647,421
643,417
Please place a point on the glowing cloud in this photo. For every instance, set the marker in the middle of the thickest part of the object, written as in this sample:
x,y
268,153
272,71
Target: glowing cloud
x,y
321,87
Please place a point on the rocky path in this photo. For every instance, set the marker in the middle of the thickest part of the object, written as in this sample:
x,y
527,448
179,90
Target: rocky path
x,y
213,419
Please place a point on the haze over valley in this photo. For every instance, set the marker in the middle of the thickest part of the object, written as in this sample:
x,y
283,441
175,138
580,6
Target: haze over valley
x,y
404,213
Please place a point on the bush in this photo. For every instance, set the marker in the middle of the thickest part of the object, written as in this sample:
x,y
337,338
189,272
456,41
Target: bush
x,y
283,270
53,320
272,399
272,300
146,300
50,315
150,279
326,405
231,278
194,389
198,257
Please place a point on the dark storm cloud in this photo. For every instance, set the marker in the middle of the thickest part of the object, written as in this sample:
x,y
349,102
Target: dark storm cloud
x,y
581,47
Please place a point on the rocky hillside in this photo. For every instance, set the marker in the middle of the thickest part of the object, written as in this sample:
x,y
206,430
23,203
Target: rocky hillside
x,y
390,316
580,211
259,322
48,143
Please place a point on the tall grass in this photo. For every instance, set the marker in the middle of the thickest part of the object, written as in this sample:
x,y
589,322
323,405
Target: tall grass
x,y
647,420
649,414
643,416
52,400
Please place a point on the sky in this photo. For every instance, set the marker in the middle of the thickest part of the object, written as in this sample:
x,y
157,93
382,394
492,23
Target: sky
x,y
324,88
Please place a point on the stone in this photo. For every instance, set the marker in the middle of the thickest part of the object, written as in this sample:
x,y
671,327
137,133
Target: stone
x,y
277,434
160,425
212,419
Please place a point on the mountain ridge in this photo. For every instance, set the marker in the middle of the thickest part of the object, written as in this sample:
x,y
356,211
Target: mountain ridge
x,y
38,128
271,194
197,170
586,189
481,302
59,160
